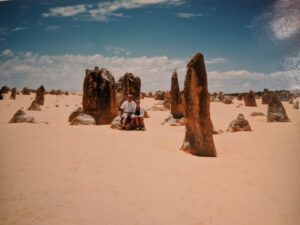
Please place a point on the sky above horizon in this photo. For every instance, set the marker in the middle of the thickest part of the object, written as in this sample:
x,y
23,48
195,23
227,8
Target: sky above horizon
x,y
249,44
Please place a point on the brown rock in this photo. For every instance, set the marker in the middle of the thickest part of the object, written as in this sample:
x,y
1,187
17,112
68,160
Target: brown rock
x,y
296,105
5,89
159,95
34,106
276,111
177,106
99,95
266,96
83,119
167,104
1,95
199,130
13,93
40,95
128,84
26,91
240,97
249,99
75,113
239,124
21,117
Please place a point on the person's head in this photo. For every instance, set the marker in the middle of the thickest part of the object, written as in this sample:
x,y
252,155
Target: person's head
x,y
129,97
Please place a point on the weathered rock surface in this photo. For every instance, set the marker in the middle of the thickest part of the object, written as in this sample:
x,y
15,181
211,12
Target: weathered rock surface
x,y
99,95
83,119
276,111
239,124
35,106
199,130
128,84
21,117
13,93
249,99
40,95
176,101
296,105
75,113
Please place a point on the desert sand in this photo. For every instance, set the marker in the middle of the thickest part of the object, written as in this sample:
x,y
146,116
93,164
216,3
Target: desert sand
x,y
57,174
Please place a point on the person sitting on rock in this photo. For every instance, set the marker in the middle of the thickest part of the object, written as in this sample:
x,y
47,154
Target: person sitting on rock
x,y
139,117
127,110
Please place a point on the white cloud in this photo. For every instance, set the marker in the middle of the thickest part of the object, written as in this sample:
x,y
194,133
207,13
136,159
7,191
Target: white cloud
x,y
106,10
67,72
216,61
65,11
53,27
188,15
285,21
116,50
16,29
7,53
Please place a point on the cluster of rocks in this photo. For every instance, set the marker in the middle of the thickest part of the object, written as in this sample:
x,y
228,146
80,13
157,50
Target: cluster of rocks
x,y
102,96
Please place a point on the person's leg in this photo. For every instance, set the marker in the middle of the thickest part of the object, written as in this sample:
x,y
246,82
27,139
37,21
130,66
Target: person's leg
x,y
141,122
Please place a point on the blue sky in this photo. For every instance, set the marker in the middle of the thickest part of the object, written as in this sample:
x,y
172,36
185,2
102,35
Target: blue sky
x,y
249,44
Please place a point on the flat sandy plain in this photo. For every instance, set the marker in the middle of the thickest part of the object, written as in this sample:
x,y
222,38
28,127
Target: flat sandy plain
x,y
57,174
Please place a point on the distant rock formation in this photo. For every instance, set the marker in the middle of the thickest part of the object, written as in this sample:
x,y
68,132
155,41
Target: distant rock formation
x,y
52,92
239,124
199,129
34,106
249,99
276,111
26,91
1,95
240,97
160,95
266,96
128,84
21,117
83,119
40,95
5,89
296,105
176,101
99,95
13,93
227,100
221,96
75,113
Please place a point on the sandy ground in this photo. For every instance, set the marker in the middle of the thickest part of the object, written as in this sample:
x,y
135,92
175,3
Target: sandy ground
x,y
56,174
